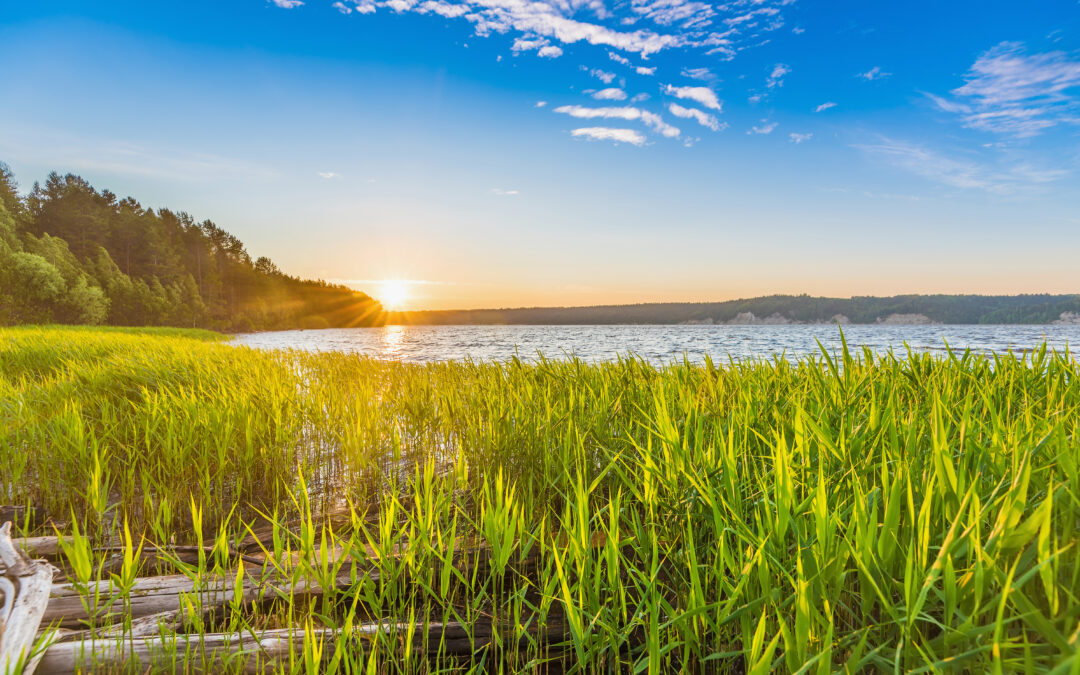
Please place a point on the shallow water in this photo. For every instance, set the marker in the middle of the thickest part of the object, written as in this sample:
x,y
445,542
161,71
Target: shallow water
x,y
658,344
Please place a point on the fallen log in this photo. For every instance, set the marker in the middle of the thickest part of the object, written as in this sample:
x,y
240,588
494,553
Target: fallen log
x,y
25,585
263,651
155,595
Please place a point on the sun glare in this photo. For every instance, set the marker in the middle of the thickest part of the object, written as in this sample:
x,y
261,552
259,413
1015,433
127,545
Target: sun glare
x,y
393,294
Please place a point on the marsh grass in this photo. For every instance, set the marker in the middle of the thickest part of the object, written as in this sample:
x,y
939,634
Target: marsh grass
x,y
846,512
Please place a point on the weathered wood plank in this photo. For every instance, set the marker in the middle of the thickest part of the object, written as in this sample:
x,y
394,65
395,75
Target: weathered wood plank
x,y
154,595
258,652
25,585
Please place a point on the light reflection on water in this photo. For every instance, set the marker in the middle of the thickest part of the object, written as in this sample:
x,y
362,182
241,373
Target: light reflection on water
x,y
658,344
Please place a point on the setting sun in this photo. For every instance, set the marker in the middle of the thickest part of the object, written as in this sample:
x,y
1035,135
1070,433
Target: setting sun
x,y
393,294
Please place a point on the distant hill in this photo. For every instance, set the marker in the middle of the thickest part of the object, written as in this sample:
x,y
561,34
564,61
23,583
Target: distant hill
x,y
73,254
784,309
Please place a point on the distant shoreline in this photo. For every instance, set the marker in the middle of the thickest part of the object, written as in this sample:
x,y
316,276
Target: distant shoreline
x,y
780,310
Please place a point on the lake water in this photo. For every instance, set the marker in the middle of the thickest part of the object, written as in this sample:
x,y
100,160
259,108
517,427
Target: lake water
x,y
658,344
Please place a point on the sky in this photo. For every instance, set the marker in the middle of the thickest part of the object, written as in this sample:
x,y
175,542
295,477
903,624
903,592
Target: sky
x,y
499,153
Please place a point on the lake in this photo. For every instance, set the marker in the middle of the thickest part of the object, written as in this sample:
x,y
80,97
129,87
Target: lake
x,y
658,344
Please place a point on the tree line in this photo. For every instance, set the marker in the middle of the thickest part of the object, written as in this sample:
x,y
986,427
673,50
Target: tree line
x,y
949,309
72,254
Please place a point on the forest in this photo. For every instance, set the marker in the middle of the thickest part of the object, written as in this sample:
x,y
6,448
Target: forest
x,y
72,254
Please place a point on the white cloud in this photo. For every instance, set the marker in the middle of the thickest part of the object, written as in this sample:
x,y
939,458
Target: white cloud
x,y
947,105
961,173
641,27
657,124
623,30
799,138
362,7
629,113
442,8
696,73
526,44
543,47
824,106
776,77
601,75
703,95
874,73
610,94
541,104
328,174
504,193
765,128
609,134
703,118
1010,92
540,18
638,98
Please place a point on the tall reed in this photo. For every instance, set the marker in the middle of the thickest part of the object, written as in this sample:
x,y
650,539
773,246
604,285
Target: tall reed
x,y
845,512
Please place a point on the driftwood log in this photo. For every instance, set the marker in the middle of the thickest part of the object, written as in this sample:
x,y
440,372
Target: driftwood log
x,y
277,650
24,585
138,627
154,595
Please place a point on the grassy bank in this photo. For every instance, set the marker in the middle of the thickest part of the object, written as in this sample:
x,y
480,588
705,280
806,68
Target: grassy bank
x,y
849,512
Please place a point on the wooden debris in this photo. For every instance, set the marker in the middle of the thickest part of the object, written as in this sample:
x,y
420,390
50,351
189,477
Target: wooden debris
x,y
154,595
259,651
25,585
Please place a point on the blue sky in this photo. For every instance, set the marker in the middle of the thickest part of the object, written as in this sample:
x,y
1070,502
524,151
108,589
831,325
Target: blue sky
x,y
536,152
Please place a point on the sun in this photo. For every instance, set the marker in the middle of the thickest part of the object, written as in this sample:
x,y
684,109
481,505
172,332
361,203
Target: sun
x,y
393,294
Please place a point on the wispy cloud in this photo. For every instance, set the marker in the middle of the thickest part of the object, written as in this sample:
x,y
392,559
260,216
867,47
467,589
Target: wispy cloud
x,y
702,118
875,73
601,75
776,77
559,22
960,172
630,113
619,31
610,94
697,73
440,7
610,134
504,193
824,106
1008,91
799,138
328,174
766,127
542,46
541,104
703,95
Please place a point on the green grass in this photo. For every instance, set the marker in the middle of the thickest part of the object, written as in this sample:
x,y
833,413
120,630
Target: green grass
x,y
850,512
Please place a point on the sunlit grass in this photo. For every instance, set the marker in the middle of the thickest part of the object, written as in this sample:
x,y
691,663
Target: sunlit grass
x,y
846,512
